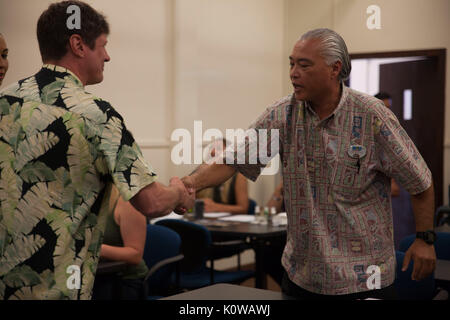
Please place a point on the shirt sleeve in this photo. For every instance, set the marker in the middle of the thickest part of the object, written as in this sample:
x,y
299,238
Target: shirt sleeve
x,y
397,154
123,158
261,144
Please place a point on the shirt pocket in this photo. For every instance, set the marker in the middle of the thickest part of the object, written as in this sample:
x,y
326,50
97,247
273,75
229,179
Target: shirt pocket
x,y
348,178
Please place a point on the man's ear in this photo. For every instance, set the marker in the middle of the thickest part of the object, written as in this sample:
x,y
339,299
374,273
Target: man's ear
x,y
336,69
77,46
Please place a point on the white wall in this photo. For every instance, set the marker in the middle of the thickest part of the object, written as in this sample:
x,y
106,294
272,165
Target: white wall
x,y
405,25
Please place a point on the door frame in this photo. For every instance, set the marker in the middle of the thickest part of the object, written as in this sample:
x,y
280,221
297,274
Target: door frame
x,y
440,56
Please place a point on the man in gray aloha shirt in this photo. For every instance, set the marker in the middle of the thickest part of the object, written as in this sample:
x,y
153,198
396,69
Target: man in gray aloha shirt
x,y
339,148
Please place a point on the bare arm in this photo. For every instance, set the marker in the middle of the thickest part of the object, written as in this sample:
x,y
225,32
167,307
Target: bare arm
x,y
241,194
208,176
395,189
423,254
423,208
157,200
133,228
277,198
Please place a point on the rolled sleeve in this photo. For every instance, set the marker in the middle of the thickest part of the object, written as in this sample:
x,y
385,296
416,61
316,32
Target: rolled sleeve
x,y
124,160
398,156
260,148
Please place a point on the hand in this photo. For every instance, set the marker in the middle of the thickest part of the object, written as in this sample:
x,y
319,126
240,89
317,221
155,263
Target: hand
x,y
187,199
424,257
189,182
210,205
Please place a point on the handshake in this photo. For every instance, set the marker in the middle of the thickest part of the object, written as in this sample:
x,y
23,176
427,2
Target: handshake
x,y
186,189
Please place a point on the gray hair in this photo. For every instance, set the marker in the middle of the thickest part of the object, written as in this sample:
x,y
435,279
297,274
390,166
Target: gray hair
x,y
333,49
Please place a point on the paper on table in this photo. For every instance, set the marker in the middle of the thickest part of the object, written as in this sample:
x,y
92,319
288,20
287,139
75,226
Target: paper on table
x,y
216,214
171,215
239,218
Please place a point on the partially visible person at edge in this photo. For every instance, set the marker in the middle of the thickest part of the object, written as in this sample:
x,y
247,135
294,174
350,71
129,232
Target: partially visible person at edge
x,y
61,151
4,64
124,240
386,98
339,149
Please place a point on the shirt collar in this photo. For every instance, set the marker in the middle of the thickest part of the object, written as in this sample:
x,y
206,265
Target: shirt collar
x,y
344,95
71,76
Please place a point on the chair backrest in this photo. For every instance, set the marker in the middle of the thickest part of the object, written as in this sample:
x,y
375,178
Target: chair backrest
x,y
408,289
442,244
161,243
195,243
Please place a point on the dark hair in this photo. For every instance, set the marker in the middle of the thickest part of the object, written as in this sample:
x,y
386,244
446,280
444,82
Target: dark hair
x,y
53,34
382,95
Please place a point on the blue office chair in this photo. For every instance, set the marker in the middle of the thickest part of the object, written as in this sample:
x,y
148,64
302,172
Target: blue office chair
x,y
162,255
442,247
197,247
408,289
251,206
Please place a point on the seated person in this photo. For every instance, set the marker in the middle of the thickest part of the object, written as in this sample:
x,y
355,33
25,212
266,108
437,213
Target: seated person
x,y
124,240
402,212
274,248
277,200
231,196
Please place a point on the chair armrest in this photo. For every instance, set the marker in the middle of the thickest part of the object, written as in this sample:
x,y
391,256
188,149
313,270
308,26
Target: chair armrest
x,y
440,213
162,263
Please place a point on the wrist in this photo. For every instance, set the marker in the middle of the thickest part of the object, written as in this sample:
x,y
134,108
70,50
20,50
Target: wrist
x,y
429,236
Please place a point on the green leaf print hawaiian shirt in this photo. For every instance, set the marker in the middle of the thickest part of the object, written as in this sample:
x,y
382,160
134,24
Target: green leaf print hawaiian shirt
x,y
61,149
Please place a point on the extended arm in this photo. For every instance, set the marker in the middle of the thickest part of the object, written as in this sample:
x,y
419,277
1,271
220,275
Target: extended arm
x,y
208,176
157,200
423,254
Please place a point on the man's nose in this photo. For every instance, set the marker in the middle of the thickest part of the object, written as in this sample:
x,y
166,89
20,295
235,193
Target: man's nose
x,y
294,72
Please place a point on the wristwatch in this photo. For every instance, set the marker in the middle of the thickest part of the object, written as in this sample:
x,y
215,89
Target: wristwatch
x,y
428,236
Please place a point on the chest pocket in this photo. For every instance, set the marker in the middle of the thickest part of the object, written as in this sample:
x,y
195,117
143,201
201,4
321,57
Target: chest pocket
x,y
348,177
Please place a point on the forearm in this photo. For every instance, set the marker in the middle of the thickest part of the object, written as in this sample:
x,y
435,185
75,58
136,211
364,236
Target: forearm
x,y
206,176
157,200
276,202
127,254
423,208
233,209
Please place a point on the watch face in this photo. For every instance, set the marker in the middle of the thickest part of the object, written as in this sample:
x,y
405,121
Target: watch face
x,y
427,236
430,237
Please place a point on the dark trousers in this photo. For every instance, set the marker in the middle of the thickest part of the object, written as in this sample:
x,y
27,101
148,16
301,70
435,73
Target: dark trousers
x,y
291,289
116,288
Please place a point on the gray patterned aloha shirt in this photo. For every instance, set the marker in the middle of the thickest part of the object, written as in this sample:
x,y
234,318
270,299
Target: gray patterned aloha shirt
x,y
336,176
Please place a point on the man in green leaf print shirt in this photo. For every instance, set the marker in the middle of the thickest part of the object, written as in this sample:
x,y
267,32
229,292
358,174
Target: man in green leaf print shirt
x,y
61,149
